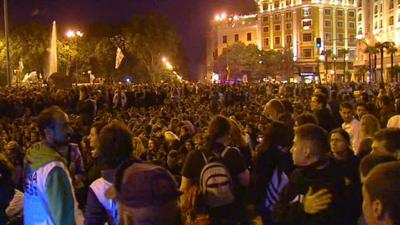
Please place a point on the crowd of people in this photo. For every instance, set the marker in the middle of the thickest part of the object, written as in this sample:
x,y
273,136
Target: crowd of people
x,y
284,154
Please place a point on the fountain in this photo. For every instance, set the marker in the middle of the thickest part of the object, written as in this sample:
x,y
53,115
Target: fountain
x,y
53,51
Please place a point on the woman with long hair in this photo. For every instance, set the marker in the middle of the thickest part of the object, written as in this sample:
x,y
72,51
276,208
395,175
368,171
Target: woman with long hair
x,y
369,126
216,148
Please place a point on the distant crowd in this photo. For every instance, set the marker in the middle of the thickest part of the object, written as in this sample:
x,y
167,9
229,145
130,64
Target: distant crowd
x,y
191,153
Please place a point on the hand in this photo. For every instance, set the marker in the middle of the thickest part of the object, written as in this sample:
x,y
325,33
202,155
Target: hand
x,y
316,202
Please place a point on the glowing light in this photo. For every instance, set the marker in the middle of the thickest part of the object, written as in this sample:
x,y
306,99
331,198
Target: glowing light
x,y
70,34
223,16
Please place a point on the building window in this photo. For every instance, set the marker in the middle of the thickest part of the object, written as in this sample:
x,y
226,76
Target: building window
x,y
359,3
307,37
360,17
266,29
339,12
288,39
351,14
391,20
265,7
265,18
236,37
289,26
328,36
340,24
248,36
376,9
307,53
340,37
266,42
391,4
277,27
327,12
380,24
327,23
277,40
224,39
306,11
277,17
352,25
288,15
276,4
287,2
307,23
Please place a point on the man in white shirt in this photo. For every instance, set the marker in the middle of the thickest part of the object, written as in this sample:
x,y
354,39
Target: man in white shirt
x,y
351,125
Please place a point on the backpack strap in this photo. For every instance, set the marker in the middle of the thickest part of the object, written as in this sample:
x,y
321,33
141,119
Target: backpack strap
x,y
204,157
227,149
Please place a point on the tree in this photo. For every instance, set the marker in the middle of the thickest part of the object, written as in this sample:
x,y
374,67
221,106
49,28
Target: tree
x,y
149,38
345,52
360,72
392,51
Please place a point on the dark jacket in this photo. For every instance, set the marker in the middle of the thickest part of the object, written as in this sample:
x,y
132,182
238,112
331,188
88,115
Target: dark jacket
x,y
321,175
325,119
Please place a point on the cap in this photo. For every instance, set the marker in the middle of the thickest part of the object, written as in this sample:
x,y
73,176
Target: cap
x,y
147,185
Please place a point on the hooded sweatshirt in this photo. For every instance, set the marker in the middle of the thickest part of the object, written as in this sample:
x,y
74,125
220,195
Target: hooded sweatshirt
x,y
49,197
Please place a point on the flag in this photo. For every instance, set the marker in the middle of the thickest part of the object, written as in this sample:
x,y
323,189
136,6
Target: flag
x,y
118,58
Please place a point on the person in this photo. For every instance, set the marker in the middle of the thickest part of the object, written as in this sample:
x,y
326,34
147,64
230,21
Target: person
x,y
370,161
380,193
315,192
146,194
273,153
304,118
94,171
351,125
115,147
361,110
321,112
215,145
49,195
274,109
6,189
343,156
369,126
386,142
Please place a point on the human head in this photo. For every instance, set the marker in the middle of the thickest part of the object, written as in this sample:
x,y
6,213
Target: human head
x,y
305,118
318,102
370,161
277,134
235,134
346,112
386,142
273,109
218,131
54,126
340,144
361,109
147,194
94,137
310,144
381,194
115,144
369,125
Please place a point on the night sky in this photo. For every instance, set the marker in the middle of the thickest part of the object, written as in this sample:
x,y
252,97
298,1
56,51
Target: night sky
x,y
191,17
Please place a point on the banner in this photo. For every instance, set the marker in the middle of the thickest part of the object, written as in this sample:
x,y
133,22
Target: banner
x,y
118,58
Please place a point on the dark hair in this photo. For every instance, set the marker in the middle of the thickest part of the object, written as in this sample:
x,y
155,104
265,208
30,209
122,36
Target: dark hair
x,y
323,89
115,144
362,104
342,132
277,134
391,137
47,117
321,98
218,127
6,184
276,105
372,160
99,126
316,135
385,100
305,118
383,184
346,105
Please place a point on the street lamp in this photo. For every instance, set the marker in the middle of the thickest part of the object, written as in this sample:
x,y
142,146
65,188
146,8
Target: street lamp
x,y
74,35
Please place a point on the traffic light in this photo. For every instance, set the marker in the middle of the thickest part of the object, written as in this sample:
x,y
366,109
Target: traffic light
x,y
318,42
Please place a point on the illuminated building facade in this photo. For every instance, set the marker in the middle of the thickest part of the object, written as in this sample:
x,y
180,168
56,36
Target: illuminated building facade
x,y
296,24
377,21
227,30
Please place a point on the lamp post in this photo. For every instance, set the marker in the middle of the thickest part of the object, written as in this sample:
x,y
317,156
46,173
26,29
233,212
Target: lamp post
x,y
8,69
74,35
